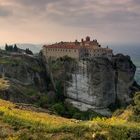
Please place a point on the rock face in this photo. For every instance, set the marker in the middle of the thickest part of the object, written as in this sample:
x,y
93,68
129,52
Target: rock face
x,y
95,83
99,83
26,76
124,81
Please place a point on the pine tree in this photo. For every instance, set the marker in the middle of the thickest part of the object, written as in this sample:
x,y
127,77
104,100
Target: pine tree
x,y
15,48
28,51
6,47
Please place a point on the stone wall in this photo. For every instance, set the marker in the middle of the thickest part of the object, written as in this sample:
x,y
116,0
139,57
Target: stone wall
x,y
60,52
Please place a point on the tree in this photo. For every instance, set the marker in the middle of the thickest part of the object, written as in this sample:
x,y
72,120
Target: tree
x,y
10,48
28,51
15,48
6,47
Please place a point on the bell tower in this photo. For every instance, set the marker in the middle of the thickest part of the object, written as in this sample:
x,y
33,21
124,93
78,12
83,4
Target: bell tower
x,y
87,38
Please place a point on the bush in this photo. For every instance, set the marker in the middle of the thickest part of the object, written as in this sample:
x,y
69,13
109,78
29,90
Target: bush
x,y
118,112
75,113
136,109
137,99
71,110
59,91
99,136
42,101
137,104
59,108
1,113
77,116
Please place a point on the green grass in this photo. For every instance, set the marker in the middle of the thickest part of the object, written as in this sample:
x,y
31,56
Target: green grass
x,y
13,61
35,122
27,124
18,123
117,128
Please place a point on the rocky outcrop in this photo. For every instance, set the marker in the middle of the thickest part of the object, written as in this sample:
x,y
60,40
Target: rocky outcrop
x,y
124,81
95,83
99,83
26,76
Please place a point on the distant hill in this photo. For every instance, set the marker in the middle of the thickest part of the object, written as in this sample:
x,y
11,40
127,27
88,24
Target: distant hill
x,y
35,48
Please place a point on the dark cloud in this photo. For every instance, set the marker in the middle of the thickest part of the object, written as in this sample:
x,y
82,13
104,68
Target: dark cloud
x,y
92,14
79,12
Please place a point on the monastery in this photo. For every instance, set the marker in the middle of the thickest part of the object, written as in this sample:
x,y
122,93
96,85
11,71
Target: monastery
x,y
84,49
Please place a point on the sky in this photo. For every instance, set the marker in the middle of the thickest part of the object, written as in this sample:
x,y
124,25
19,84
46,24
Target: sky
x,y
46,21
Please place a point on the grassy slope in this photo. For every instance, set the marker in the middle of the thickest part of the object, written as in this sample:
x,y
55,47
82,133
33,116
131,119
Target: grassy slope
x,y
16,123
36,125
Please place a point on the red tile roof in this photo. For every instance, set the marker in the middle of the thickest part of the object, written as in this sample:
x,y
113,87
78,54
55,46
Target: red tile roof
x,y
63,46
71,45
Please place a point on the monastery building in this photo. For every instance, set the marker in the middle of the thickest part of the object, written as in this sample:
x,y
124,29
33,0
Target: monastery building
x,y
84,49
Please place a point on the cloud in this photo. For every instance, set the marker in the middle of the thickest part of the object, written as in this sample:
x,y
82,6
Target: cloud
x,y
92,12
96,15
86,13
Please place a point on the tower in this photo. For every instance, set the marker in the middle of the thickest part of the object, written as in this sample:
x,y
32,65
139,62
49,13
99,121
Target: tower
x,y
87,38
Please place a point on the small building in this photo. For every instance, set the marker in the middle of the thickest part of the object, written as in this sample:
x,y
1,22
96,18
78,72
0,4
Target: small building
x,y
78,50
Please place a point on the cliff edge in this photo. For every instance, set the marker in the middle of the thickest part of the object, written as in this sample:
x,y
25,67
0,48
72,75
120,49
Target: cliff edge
x,y
99,84
24,77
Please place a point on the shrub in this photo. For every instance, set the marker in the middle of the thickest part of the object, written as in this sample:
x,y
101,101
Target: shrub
x,y
77,116
42,101
59,108
99,136
137,99
118,112
75,113
136,108
71,111
1,113
59,91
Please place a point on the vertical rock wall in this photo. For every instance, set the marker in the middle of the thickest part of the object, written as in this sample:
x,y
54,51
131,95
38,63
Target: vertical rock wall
x,y
99,82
